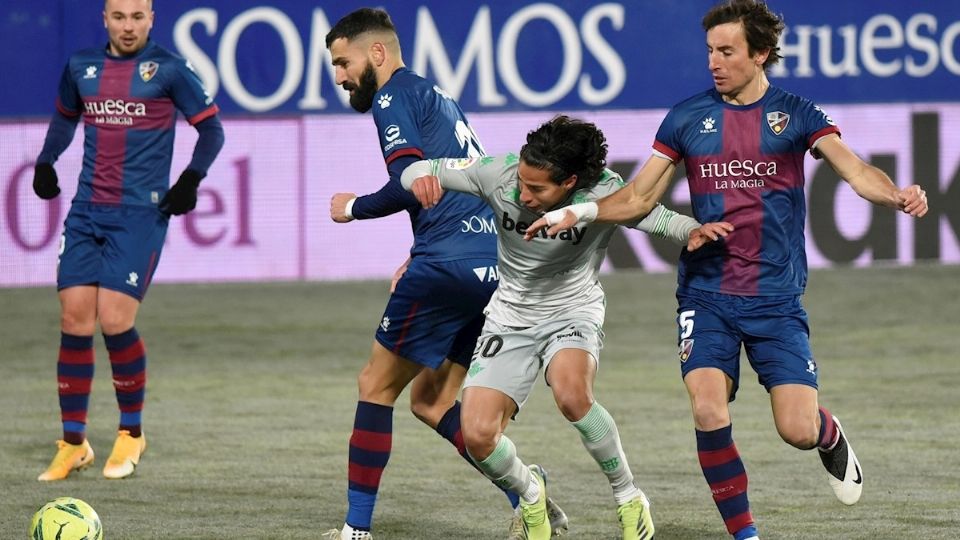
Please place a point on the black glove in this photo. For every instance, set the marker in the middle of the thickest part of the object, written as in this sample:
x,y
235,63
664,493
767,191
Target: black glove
x,y
45,181
182,197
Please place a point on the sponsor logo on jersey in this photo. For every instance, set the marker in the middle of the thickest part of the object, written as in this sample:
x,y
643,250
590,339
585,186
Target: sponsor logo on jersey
x,y
114,111
391,133
91,72
708,125
148,70
826,117
574,235
487,273
384,101
574,335
738,168
478,225
458,164
778,120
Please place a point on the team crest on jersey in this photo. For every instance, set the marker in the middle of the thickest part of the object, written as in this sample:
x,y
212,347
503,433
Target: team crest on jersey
x,y
686,348
778,120
148,70
460,163
91,72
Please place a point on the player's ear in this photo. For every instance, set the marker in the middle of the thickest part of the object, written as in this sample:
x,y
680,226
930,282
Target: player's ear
x,y
568,184
761,57
378,53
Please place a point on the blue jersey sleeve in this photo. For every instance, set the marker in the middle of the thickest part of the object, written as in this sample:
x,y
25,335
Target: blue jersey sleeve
x,y
816,124
188,94
397,119
668,140
389,199
68,97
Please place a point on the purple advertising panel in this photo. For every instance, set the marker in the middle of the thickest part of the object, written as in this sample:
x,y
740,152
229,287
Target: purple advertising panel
x,y
263,212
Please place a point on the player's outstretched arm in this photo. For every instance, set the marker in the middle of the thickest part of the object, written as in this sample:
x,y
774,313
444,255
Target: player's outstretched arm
x,y
627,205
870,182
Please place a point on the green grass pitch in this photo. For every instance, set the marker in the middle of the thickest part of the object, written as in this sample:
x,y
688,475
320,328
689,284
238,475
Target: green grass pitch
x,y
251,392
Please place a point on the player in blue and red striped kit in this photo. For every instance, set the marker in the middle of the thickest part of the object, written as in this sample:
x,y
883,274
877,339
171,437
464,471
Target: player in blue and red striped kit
x,y
435,313
743,144
127,94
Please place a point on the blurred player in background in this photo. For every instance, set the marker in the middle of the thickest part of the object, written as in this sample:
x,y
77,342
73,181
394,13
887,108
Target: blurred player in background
x,y
743,144
127,94
549,309
435,312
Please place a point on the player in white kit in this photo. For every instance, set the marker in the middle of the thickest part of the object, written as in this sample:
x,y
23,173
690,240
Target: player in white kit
x,y
548,311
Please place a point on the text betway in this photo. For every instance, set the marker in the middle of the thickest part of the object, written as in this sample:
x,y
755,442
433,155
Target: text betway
x,y
574,235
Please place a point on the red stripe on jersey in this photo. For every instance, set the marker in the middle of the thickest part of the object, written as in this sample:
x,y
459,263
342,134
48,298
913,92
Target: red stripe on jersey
x,y
742,206
131,353
667,151
73,356
712,458
65,111
206,113
365,476
404,152
371,440
729,488
822,133
111,149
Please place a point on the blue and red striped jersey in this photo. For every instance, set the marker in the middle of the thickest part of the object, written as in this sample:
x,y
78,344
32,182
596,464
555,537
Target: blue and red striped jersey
x,y
414,117
744,165
129,109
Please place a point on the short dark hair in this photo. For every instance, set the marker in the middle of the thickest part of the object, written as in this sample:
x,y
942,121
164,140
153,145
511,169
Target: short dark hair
x,y
761,27
360,21
565,146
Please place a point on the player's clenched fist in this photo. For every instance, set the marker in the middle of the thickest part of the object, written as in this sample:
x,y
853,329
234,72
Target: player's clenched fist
x,y
45,181
427,190
341,205
913,201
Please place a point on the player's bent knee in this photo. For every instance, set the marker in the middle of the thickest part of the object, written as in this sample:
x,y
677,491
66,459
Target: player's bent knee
x,y
802,437
709,415
480,441
574,406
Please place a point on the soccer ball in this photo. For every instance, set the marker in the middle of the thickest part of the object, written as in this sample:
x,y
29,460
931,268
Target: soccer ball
x,y
66,518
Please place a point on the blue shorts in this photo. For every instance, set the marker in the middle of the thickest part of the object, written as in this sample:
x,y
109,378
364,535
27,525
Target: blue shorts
x,y
436,310
114,247
773,330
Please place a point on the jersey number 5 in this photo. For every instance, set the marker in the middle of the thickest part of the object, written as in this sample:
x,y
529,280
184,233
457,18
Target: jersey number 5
x,y
685,321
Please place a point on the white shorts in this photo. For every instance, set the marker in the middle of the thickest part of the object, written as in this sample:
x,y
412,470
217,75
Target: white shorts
x,y
509,359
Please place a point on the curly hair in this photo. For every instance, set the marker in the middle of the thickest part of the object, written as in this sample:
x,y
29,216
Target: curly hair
x,y
566,146
761,27
361,21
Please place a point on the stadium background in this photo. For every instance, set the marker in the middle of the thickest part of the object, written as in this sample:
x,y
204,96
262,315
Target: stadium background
x,y
252,385
886,71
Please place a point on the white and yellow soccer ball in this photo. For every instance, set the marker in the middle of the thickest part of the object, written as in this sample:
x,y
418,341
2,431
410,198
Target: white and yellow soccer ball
x,y
66,518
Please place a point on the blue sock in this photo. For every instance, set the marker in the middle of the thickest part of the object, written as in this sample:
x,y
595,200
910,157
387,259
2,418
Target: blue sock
x,y
449,429
370,446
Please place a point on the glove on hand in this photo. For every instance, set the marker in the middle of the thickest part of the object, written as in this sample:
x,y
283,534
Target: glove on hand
x,y
45,181
182,197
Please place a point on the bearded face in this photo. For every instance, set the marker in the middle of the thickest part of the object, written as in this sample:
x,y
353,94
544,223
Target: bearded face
x,y
362,92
